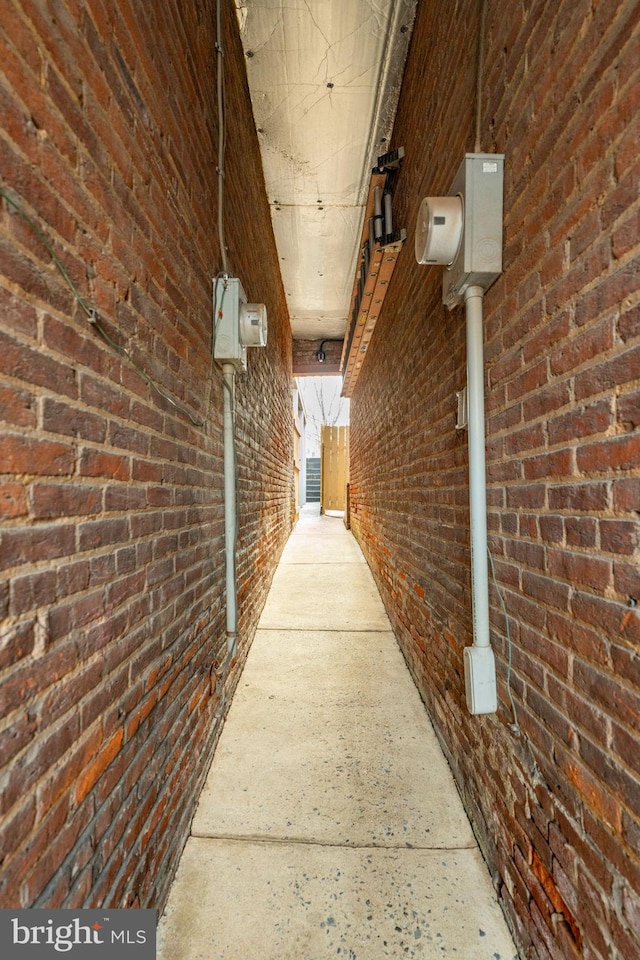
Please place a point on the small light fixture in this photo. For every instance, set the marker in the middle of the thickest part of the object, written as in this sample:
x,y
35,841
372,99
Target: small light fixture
x,y
320,354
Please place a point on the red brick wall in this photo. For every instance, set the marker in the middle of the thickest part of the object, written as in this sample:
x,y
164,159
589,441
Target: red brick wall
x,y
557,809
111,512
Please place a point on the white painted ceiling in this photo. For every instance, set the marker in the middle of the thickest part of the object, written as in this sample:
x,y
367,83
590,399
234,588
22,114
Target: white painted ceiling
x,y
324,78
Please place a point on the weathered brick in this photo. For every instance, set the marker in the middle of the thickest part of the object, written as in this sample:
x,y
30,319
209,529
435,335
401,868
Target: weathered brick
x,y
561,328
33,590
629,323
626,493
93,772
583,348
99,463
33,544
609,694
13,501
588,496
556,464
581,531
30,677
62,500
619,536
617,453
607,374
17,406
626,580
87,433
60,417
629,411
581,422
580,568
26,455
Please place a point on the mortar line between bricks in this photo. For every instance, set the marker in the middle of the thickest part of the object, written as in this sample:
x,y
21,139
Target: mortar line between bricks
x,y
293,841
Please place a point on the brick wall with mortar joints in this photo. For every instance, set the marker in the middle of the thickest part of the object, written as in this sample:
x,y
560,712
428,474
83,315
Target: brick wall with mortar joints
x,y
556,811
305,361
111,516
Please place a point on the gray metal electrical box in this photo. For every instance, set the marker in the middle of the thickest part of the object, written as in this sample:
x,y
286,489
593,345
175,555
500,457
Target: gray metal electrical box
x,y
479,184
237,324
227,347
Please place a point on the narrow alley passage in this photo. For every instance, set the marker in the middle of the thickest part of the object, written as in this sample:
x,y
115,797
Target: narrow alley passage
x,y
330,825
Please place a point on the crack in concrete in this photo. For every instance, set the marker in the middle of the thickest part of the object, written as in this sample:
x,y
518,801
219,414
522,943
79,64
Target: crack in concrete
x,y
351,84
278,106
307,110
255,50
317,25
330,157
310,842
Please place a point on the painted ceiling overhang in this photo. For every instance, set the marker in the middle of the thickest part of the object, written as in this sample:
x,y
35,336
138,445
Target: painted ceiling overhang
x,y
324,78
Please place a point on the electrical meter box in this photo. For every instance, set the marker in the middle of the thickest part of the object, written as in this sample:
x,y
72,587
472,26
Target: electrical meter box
x,y
478,262
237,324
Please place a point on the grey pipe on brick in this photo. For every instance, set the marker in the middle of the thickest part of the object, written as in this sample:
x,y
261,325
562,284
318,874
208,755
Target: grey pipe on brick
x,y
230,520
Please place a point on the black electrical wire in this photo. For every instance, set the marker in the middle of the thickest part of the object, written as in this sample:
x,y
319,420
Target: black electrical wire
x,y
320,354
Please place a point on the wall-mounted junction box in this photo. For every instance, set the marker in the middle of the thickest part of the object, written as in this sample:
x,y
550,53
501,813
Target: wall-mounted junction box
x,y
480,680
237,324
463,231
479,184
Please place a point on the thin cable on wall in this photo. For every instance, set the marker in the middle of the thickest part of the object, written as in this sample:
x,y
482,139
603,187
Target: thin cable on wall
x,y
222,137
483,17
222,147
92,314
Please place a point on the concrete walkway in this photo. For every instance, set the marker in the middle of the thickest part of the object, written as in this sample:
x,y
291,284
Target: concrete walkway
x,y
330,825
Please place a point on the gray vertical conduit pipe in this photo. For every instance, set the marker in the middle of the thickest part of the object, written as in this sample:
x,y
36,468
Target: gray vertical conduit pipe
x,y
477,467
230,516
480,670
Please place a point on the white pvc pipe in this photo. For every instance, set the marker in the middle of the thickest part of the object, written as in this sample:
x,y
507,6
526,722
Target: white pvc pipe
x,y
228,376
477,468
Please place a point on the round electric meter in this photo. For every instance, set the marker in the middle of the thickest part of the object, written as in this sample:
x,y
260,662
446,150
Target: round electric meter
x,y
439,230
253,324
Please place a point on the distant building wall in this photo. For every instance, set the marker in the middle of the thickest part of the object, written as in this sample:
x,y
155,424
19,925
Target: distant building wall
x,y
556,809
305,357
111,505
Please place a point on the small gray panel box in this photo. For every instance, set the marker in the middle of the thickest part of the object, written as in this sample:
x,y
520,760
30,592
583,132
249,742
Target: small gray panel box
x,y
228,294
479,182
